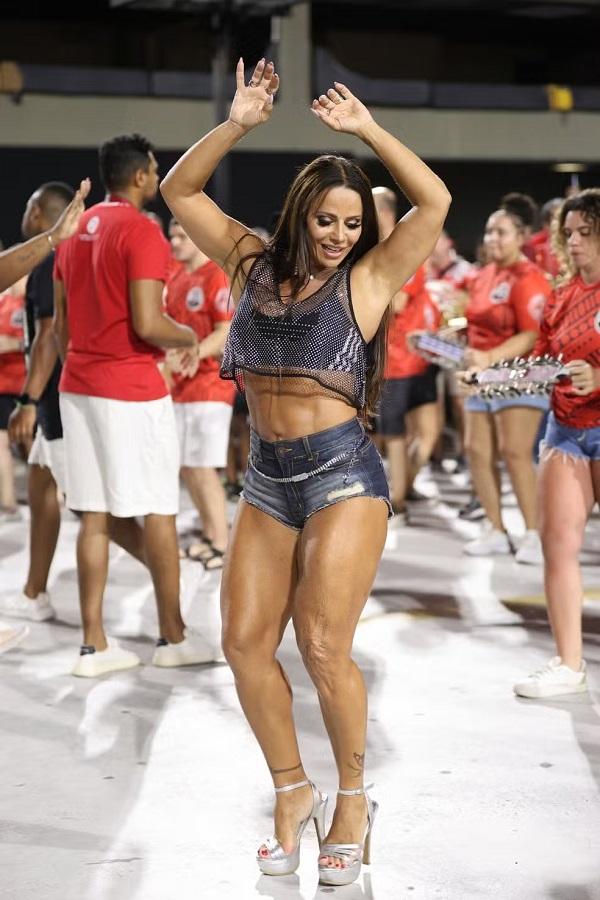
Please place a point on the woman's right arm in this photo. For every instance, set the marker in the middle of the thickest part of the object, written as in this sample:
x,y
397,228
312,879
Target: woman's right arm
x,y
214,232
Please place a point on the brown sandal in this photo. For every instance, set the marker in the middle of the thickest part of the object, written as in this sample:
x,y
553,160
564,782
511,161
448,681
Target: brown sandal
x,y
214,561
199,549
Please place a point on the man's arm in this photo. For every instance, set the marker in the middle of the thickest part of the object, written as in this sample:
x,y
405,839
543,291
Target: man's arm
x,y
215,342
60,324
149,320
20,260
41,364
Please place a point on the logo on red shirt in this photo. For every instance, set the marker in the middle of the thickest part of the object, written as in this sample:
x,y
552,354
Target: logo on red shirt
x,y
535,306
194,299
501,292
17,318
597,321
221,301
92,225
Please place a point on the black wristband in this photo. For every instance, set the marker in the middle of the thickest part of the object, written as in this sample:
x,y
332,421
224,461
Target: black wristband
x,y
26,400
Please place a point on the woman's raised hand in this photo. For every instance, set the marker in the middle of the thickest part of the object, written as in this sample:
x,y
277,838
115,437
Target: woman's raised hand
x,y
253,102
341,110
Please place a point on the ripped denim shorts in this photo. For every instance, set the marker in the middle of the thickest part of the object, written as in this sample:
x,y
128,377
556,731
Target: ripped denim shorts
x,y
291,480
578,443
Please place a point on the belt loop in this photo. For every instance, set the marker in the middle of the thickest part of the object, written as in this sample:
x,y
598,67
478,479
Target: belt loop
x,y
307,448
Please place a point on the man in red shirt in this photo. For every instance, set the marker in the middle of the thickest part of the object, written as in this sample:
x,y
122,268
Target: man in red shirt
x,y
198,295
119,427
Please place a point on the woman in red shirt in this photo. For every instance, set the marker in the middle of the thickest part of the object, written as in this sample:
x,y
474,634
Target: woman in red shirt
x,y
506,301
569,478
12,376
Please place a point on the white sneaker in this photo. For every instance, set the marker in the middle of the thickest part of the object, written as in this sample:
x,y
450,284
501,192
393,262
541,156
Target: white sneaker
x,y
530,549
191,651
10,637
17,604
551,681
92,662
491,543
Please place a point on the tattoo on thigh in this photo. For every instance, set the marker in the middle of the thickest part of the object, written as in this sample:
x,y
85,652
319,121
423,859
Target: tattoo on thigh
x,y
283,771
358,764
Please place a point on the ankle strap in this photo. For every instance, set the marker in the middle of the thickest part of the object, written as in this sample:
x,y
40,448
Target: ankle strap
x,y
291,787
356,792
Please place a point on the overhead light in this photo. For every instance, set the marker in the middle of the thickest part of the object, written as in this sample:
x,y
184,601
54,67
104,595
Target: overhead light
x,y
569,167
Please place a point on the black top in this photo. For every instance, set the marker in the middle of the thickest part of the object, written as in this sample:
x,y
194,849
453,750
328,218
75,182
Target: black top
x,y
39,304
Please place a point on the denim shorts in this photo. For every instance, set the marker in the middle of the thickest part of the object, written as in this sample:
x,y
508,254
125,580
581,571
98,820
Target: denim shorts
x,y
581,443
495,404
291,480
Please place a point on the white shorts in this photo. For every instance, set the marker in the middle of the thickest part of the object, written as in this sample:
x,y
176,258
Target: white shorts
x,y
50,455
203,432
121,456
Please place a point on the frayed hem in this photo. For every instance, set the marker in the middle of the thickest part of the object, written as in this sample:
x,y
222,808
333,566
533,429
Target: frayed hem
x,y
364,496
547,453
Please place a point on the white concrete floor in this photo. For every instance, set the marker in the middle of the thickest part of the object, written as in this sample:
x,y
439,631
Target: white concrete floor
x,y
147,785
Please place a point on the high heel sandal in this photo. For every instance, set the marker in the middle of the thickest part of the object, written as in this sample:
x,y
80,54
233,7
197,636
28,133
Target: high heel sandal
x,y
279,862
351,855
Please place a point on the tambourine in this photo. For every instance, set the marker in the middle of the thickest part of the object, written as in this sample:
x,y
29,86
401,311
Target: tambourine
x,y
533,375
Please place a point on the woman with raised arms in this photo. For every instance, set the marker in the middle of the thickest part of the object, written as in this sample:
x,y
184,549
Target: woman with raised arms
x,y
307,343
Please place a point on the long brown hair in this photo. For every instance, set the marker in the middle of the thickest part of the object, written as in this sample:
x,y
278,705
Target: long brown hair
x,y
289,247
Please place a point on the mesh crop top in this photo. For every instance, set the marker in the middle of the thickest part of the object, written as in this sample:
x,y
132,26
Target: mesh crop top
x,y
315,338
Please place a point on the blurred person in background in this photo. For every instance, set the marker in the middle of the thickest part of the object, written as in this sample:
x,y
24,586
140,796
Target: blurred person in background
x,y
16,262
12,373
115,406
445,264
308,343
506,299
569,475
445,271
197,295
38,407
409,421
539,246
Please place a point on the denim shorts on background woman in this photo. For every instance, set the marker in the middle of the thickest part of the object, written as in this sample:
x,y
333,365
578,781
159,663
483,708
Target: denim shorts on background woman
x,y
581,443
291,480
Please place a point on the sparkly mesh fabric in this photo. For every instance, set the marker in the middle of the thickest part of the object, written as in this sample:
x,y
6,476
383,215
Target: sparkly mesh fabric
x,y
315,340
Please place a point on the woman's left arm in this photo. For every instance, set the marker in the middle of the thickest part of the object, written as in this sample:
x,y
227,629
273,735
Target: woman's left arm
x,y
388,266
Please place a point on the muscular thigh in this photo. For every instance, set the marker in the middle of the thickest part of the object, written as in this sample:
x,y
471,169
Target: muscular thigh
x,y
258,578
339,550
565,494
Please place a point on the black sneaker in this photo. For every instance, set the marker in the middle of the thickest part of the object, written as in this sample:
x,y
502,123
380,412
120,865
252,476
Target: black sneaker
x,y
473,511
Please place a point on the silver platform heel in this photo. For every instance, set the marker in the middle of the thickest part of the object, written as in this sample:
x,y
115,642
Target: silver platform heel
x,y
279,862
351,855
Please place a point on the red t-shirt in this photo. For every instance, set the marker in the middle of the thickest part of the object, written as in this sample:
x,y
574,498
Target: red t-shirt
x,y
539,250
571,326
504,302
200,299
12,365
420,313
114,245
